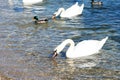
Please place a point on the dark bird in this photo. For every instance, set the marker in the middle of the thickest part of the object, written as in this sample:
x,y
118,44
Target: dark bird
x,y
96,2
41,21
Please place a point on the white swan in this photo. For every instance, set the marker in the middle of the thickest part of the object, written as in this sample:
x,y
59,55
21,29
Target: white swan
x,y
30,2
84,48
25,2
74,10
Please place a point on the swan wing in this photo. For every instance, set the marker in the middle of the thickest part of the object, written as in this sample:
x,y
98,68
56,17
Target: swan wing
x,y
86,47
73,7
30,2
74,10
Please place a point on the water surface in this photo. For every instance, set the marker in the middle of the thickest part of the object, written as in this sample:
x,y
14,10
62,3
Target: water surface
x,y
25,47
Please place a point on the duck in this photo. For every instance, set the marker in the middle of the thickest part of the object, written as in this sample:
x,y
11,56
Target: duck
x,y
82,49
72,11
96,2
30,2
37,21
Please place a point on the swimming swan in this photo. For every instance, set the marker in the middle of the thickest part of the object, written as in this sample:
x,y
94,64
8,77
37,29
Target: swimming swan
x,y
83,48
30,2
24,2
74,10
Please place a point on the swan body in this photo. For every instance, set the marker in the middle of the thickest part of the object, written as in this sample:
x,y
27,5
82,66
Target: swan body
x,y
83,48
30,2
25,2
74,10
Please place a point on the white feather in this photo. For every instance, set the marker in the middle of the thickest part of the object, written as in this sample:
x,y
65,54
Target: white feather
x,y
83,48
74,10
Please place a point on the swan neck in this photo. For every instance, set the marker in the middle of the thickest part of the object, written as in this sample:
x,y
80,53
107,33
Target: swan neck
x,y
71,45
60,11
63,44
71,48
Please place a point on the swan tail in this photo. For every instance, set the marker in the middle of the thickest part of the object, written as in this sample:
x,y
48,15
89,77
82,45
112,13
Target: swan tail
x,y
76,3
102,42
82,5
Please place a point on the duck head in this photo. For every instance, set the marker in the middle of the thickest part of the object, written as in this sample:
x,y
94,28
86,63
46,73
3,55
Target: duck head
x,y
35,17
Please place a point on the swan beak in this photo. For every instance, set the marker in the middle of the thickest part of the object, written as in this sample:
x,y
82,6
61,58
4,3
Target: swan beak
x,y
53,17
54,54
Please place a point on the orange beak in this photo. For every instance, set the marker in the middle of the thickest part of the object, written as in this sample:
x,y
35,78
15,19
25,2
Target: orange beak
x,y
54,16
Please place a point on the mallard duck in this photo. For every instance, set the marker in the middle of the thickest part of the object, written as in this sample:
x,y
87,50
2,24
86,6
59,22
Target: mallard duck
x,y
37,21
72,11
96,2
83,48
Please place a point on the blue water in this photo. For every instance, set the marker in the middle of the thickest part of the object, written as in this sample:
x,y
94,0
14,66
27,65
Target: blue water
x,y
25,47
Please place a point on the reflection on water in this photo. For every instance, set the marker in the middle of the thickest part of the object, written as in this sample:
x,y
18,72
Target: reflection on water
x,y
25,47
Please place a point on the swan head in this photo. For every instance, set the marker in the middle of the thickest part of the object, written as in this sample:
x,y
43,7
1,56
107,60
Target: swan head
x,y
54,54
60,47
57,50
60,10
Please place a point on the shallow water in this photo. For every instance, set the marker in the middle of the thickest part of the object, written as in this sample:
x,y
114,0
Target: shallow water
x,y
25,47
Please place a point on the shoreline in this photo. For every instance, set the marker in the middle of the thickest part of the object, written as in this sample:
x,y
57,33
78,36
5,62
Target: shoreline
x,y
4,77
